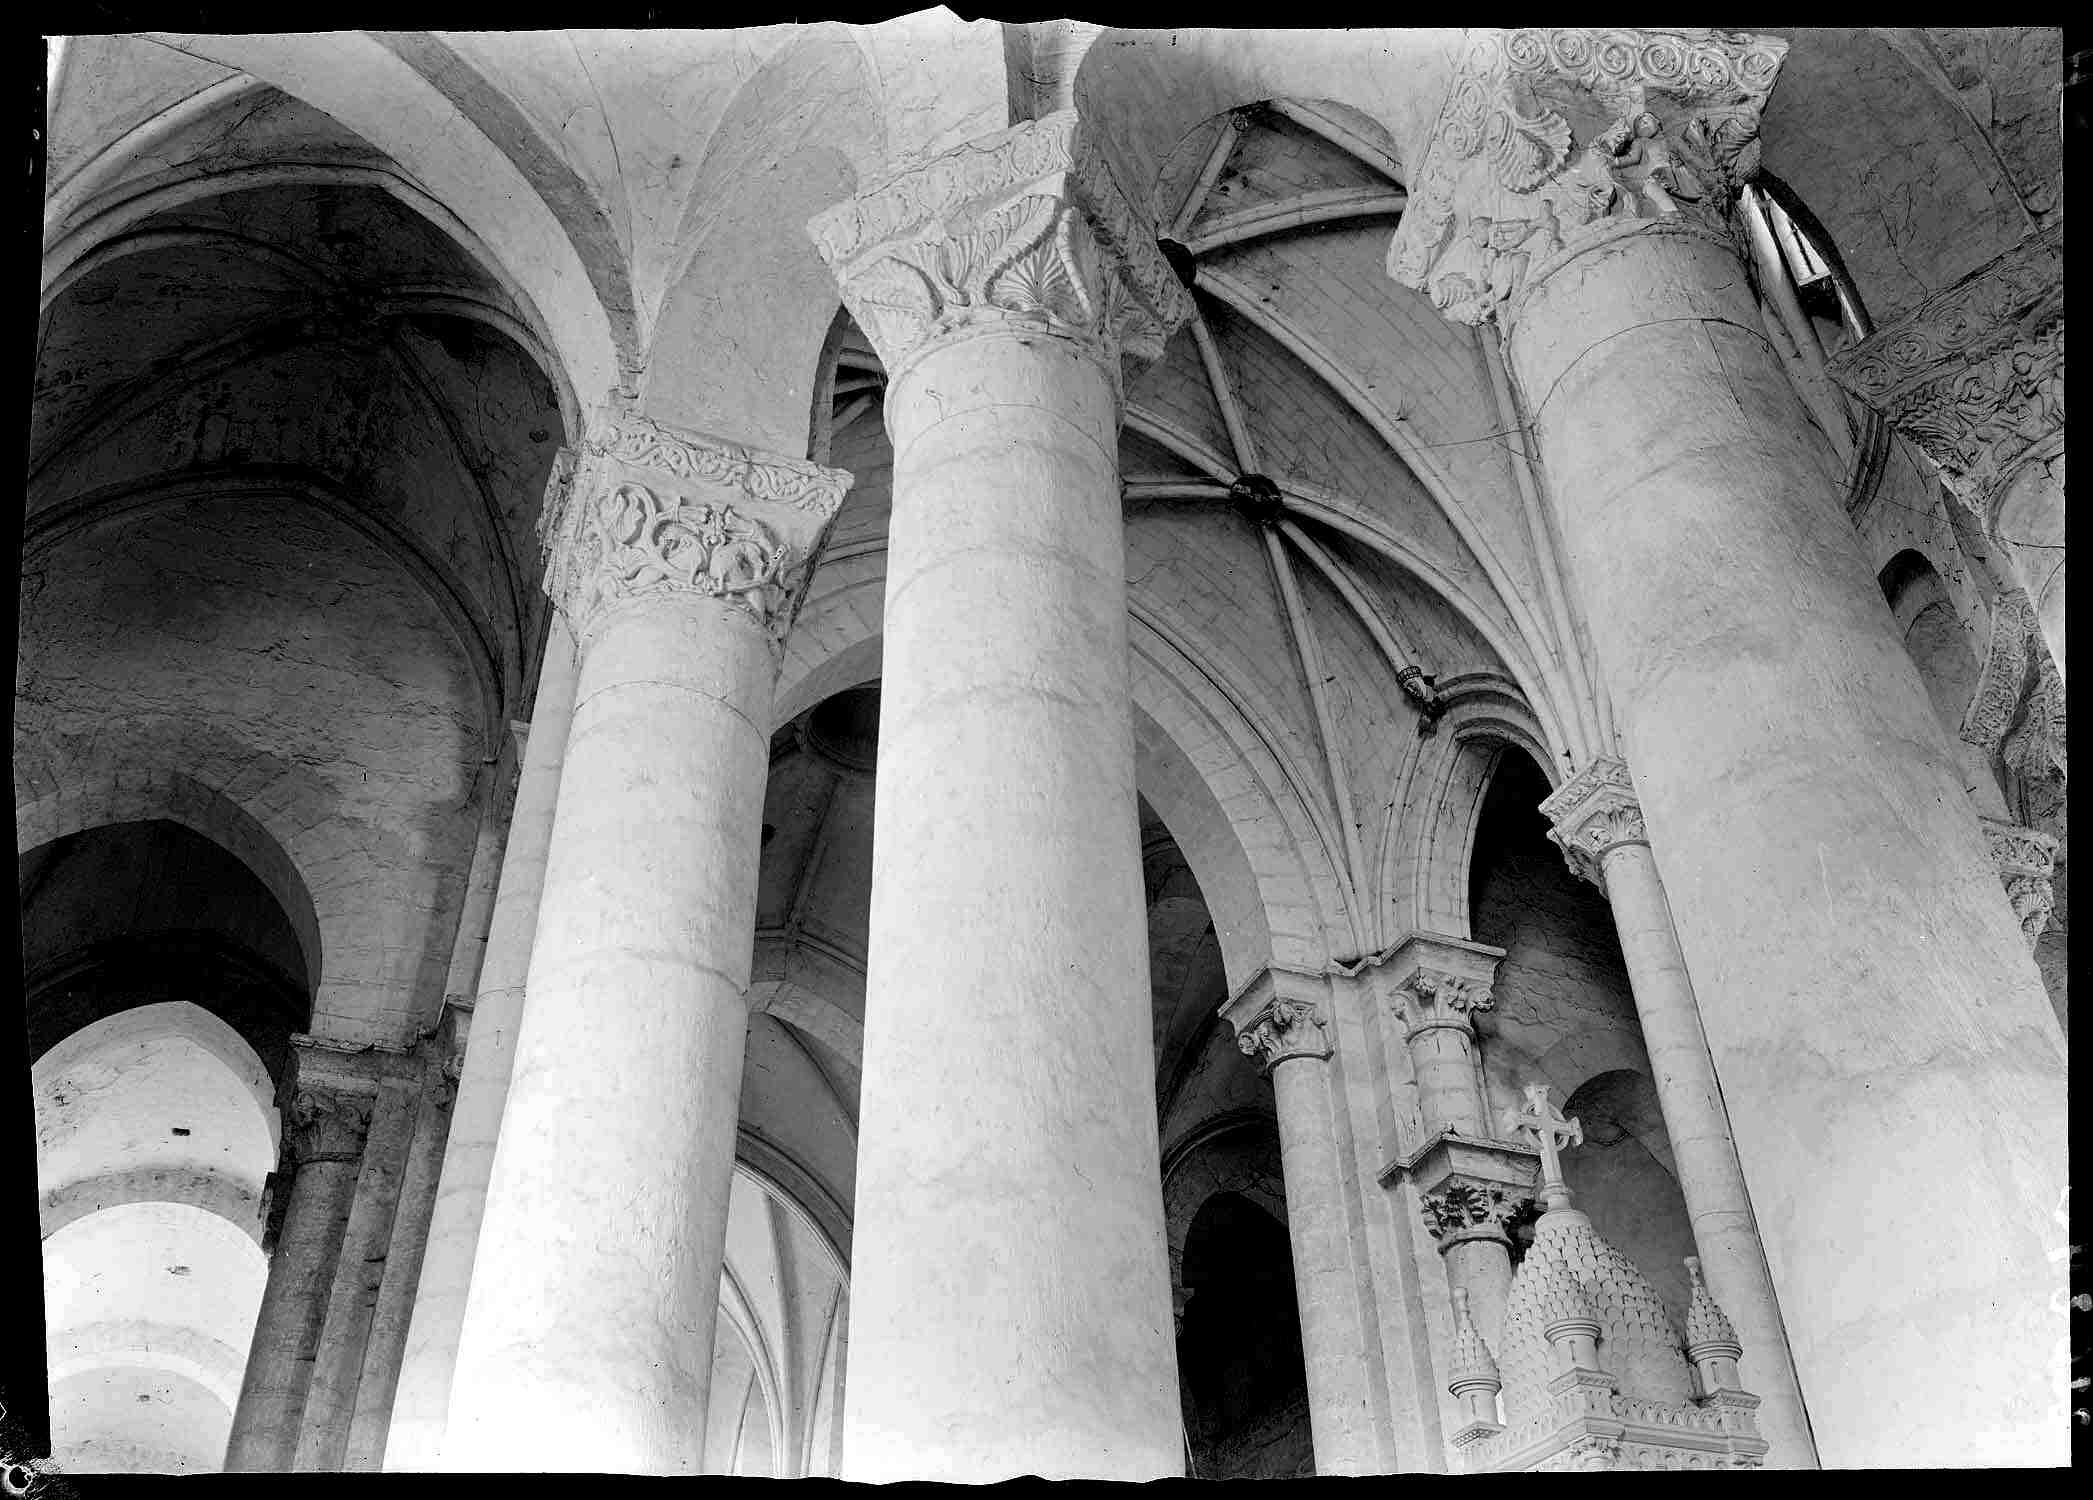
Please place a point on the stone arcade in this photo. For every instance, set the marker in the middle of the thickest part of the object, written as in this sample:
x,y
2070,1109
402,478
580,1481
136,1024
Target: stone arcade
x,y
953,749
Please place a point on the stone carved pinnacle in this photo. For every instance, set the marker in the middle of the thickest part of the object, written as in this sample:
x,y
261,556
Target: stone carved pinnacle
x,y
1552,138
1594,811
1708,1329
1026,226
643,511
1286,1030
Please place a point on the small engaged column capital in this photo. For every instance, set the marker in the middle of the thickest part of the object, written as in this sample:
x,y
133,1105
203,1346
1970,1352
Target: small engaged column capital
x,y
641,512
1026,228
1553,139
1592,813
1278,1017
2027,865
1436,982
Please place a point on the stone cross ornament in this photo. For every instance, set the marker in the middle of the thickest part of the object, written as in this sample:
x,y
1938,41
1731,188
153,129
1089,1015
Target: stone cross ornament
x,y
1545,1123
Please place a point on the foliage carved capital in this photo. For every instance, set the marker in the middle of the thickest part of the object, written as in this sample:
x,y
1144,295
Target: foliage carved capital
x,y
646,513
1593,812
1025,227
2027,863
1554,137
1286,1029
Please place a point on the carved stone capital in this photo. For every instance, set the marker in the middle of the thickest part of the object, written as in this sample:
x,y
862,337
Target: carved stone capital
x,y
1288,1029
2027,862
648,513
326,1124
1975,374
1432,981
1278,1016
1554,138
1026,227
1593,812
1464,1208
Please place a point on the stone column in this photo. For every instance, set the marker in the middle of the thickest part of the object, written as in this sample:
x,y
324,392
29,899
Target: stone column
x,y
442,1059
1974,375
1010,1297
1279,1019
1468,1183
1599,824
330,1403
323,1137
421,1405
1893,1073
587,1339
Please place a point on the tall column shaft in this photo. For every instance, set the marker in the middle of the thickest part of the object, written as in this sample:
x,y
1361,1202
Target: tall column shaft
x,y
1893,1072
1010,1299
324,1133
323,1437
1600,826
421,1404
385,1350
588,1334
1864,975
1289,1035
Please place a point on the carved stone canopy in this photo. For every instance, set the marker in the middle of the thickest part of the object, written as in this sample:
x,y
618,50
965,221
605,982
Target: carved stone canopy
x,y
645,512
1025,227
1593,812
1975,374
1280,1015
1552,139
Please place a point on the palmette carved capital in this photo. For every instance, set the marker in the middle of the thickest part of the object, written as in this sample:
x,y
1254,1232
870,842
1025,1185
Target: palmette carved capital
x,y
1552,138
2027,865
1287,1029
1025,227
1975,373
1593,812
649,513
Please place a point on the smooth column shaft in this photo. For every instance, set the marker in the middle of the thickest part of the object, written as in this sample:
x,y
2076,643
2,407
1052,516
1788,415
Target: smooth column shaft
x,y
1326,1281
421,1405
1710,1178
1892,1067
1010,1297
588,1334
287,1329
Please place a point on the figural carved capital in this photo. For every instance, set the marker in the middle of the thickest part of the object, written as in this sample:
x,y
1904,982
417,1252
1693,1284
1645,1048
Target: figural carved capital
x,y
642,513
2027,862
1025,228
326,1124
1593,812
1277,1017
1975,373
1555,138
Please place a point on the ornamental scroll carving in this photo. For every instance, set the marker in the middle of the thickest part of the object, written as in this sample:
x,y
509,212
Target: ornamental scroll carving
x,y
1975,374
1287,1029
1592,812
2017,709
1553,136
325,1124
1025,226
650,513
